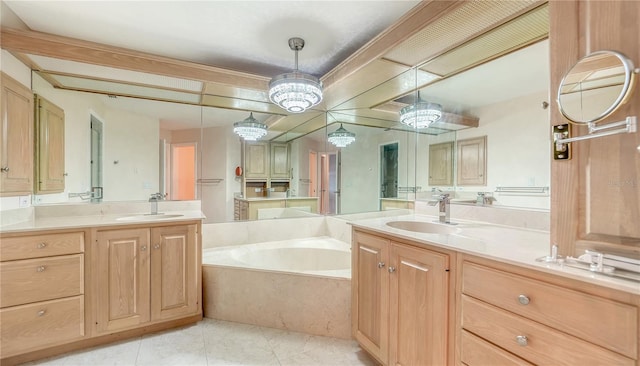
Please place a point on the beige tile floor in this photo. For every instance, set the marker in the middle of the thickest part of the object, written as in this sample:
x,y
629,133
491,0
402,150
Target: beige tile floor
x,y
213,342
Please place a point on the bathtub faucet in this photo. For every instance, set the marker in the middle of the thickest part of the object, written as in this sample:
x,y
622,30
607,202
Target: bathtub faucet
x,y
444,203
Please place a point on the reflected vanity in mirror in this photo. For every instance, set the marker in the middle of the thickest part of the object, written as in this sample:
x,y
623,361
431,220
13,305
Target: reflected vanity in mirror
x,y
593,89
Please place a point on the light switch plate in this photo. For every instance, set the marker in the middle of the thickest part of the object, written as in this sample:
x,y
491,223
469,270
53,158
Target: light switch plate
x,y
24,201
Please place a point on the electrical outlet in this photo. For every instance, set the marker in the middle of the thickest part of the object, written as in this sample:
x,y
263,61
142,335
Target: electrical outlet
x,y
24,201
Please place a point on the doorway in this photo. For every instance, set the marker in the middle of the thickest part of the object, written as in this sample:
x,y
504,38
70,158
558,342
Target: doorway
x,y
329,183
389,170
96,159
183,171
313,174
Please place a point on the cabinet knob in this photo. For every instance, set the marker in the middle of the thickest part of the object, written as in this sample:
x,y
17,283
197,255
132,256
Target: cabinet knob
x,y
41,312
391,269
4,169
157,246
381,264
40,269
41,245
522,340
143,248
523,299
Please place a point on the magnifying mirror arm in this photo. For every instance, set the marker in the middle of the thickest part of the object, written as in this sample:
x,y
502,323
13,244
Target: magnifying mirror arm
x,y
629,125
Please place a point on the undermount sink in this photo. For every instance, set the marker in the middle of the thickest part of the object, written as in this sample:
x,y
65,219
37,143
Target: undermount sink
x,y
424,227
149,217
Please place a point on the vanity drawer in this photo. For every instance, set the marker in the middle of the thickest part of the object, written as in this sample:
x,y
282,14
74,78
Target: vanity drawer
x,y
476,351
543,345
607,323
39,279
46,245
33,326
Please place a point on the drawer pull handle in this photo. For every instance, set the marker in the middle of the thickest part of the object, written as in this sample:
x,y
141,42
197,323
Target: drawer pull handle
x,y
143,248
523,299
41,312
41,268
392,269
381,264
157,246
41,245
522,340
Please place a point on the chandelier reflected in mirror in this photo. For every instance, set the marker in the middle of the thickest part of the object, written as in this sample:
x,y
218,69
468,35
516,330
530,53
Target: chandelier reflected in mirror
x,y
295,91
250,128
341,137
421,114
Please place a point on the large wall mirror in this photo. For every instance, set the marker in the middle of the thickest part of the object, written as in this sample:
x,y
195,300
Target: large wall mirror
x,y
493,107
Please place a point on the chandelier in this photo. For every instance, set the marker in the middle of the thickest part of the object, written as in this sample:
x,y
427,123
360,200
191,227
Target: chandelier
x,y
295,91
420,114
250,129
341,137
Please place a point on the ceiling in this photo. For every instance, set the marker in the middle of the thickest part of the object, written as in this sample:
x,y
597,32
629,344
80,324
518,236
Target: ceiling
x,y
369,54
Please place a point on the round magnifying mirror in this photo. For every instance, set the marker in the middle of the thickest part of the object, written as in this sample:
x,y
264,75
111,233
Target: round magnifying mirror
x,y
595,87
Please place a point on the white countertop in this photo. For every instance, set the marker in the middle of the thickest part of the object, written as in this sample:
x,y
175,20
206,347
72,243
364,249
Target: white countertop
x,y
72,222
501,243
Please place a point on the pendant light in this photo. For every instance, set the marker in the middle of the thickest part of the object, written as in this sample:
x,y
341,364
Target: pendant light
x,y
341,137
250,128
421,114
295,91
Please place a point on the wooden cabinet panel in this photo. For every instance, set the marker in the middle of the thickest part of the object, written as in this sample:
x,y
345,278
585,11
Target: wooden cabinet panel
x,y
39,279
33,326
122,279
472,162
49,156
174,272
477,352
542,345
370,288
419,306
596,194
36,246
616,327
279,161
256,160
16,138
441,164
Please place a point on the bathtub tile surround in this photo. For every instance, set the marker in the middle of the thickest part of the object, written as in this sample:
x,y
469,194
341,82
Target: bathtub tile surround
x,y
295,302
214,342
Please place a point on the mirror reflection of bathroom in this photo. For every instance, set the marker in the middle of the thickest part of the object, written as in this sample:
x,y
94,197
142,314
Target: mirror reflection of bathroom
x,y
389,170
329,183
96,160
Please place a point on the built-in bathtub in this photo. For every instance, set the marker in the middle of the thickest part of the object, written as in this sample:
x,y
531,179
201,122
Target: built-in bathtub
x,y
301,285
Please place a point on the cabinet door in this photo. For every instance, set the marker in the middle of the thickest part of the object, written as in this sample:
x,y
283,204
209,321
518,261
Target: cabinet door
x,y
279,161
472,157
256,160
49,147
122,279
174,272
441,164
16,138
418,310
370,294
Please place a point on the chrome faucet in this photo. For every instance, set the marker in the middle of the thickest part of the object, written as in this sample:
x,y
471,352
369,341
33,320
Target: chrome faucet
x,y
154,198
485,198
444,202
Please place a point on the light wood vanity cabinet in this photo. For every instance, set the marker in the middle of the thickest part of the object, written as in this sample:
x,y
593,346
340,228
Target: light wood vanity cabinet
x,y
400,301
145,275
49,152
16,138
256,160
42,291
515,317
